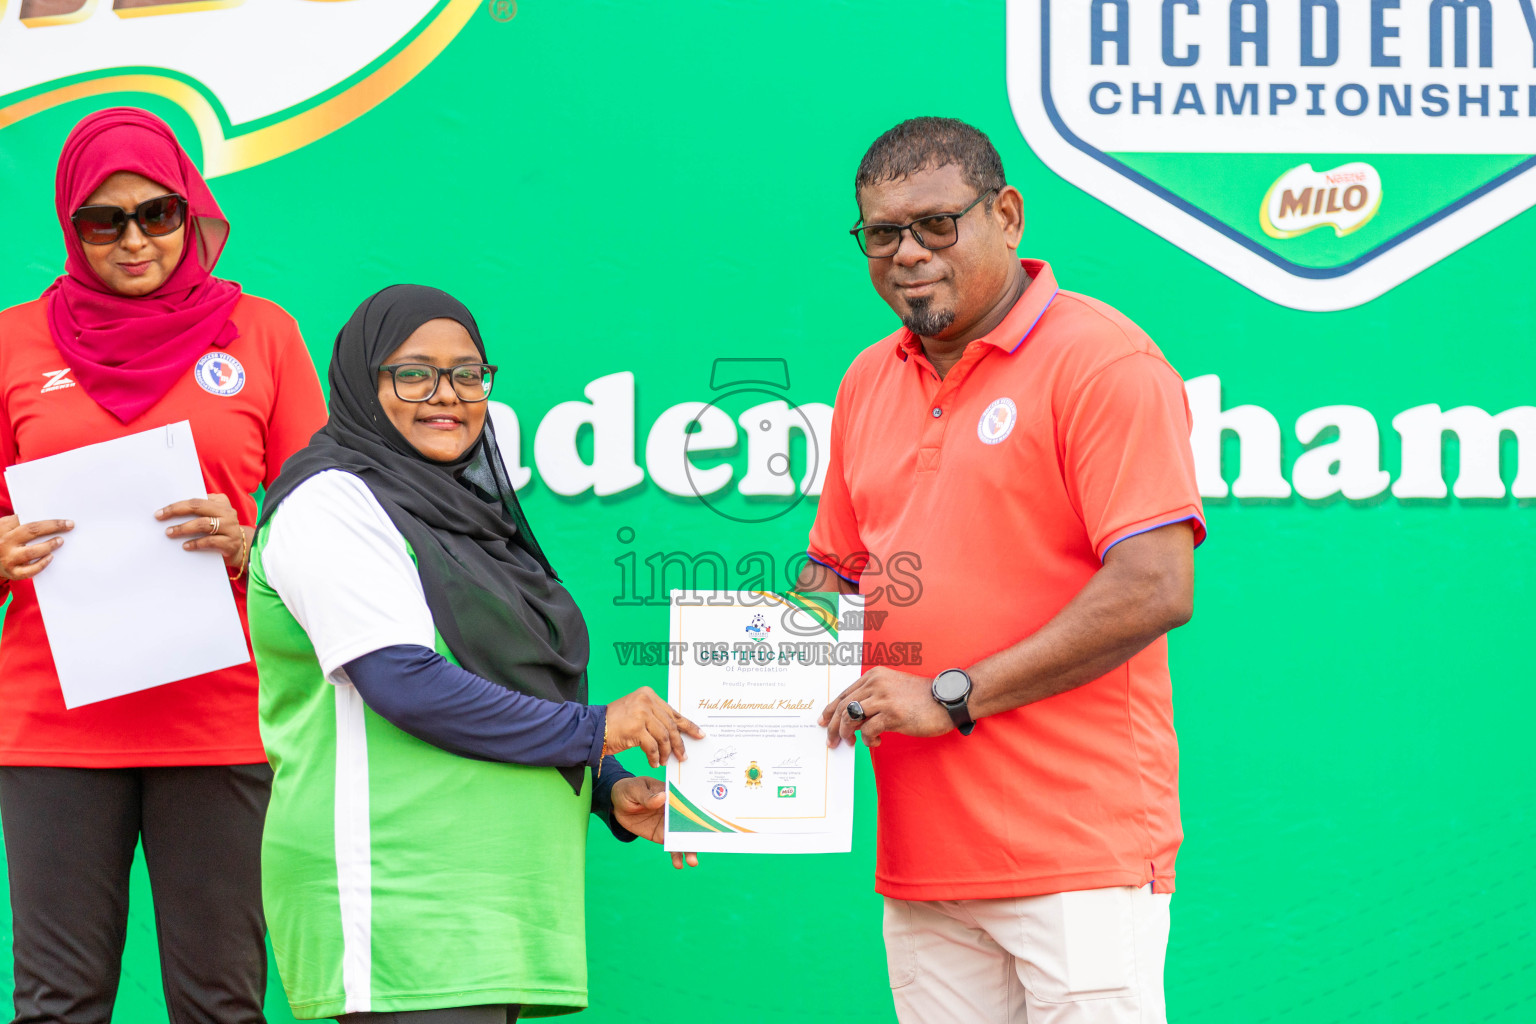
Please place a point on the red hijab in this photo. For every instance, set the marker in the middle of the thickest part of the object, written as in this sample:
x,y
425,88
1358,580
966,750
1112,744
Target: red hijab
x,y
127,351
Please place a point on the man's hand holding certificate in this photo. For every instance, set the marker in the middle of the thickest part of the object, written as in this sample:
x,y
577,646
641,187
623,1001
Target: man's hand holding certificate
x,y
756,670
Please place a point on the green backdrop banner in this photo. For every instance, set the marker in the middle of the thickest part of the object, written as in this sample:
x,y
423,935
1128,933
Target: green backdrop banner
x,y
1319,210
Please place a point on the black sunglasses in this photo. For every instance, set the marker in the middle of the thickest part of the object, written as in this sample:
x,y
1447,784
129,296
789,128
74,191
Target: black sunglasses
x,y
103,225
936,231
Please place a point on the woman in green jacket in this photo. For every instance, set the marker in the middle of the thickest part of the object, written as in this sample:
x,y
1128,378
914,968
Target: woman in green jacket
x,y
424,702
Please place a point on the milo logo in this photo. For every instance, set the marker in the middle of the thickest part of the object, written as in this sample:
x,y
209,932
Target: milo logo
x,y
1302,200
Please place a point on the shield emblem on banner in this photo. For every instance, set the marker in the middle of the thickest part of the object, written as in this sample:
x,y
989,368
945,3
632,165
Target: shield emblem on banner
x,y
259,79
1319,152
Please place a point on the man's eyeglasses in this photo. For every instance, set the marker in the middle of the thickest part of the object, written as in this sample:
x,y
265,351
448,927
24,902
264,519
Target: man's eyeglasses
x,y
936,231
417,382
103,225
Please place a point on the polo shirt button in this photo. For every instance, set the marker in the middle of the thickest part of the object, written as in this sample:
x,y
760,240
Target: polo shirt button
x,y
937,412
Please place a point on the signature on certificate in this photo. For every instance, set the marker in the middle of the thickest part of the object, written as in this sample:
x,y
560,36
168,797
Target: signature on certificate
x,y
723,756
792,762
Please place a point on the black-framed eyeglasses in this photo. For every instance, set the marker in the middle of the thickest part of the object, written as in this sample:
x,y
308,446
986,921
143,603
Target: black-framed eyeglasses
x,y
103,225
417,382
935,231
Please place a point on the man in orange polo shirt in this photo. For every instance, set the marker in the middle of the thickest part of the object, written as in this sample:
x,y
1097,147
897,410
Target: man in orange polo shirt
x,y
1027,450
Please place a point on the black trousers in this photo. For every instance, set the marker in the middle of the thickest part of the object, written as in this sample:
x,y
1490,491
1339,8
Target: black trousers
x,y
70,834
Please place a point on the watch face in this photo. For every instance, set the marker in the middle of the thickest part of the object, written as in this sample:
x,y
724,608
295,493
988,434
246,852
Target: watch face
x,y
951,685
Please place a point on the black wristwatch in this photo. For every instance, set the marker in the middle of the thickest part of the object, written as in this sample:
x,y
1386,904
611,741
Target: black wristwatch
x,y
952,689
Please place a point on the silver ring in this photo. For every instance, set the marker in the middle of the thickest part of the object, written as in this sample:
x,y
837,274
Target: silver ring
x,y
213,525
856,711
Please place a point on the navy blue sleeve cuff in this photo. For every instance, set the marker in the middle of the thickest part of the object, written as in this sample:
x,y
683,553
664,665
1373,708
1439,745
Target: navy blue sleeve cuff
x,y
602,796
599,734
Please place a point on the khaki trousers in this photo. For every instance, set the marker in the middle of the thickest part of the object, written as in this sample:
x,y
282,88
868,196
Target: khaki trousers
x,y
1088,957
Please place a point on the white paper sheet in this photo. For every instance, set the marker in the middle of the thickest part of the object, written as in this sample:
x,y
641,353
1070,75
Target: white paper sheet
x,y
754,670
124,606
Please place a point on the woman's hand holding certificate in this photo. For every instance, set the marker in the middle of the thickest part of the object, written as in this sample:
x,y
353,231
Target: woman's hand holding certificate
x,y
642,719
640,805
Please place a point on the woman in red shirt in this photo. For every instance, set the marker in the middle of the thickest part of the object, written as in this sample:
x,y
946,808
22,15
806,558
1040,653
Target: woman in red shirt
x,y
136,334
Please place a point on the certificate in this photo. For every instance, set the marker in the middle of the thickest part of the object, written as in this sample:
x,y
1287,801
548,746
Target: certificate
x,y
754,670
124,607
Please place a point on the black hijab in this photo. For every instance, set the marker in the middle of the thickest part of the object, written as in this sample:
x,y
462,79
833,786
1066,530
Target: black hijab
x,y
494,598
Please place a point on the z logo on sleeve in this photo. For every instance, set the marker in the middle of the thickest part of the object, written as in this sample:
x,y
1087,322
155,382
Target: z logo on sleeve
x,y
57,379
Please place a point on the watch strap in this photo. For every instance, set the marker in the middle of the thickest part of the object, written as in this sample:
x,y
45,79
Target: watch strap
x,y
960,714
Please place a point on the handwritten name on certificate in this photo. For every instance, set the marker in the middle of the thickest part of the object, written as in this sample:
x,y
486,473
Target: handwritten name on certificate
x,y
756,670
